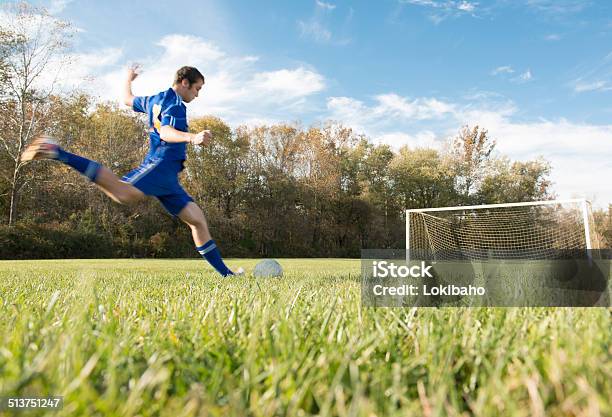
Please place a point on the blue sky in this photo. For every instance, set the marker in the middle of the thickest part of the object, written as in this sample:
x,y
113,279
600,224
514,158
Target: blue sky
x,y
536,73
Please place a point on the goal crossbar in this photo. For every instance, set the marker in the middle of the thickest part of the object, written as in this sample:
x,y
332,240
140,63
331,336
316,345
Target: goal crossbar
x,y
529,203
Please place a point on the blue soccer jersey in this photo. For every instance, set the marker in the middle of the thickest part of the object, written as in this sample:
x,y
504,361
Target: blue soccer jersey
x,y
164,109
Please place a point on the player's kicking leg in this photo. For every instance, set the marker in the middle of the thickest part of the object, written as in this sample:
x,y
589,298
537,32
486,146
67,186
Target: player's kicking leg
x,y
193,216
45,147
124,192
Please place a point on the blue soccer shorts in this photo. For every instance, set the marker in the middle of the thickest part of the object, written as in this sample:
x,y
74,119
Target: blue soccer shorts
x,y
158,177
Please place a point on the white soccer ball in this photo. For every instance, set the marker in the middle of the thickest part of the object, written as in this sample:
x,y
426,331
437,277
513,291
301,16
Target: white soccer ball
x,y
268,268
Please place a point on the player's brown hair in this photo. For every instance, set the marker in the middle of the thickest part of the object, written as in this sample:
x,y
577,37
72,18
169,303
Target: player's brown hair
x,y
190,74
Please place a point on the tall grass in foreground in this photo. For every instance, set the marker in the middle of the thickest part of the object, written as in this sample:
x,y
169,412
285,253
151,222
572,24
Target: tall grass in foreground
x,y
168,338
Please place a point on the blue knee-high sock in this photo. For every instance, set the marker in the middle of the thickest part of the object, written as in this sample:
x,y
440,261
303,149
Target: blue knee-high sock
x,y
210,252
85,166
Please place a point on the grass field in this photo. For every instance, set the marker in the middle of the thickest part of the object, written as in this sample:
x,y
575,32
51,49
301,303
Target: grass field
x,y
169,338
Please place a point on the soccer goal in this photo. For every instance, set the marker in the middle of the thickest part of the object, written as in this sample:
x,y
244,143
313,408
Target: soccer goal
x,y
531,230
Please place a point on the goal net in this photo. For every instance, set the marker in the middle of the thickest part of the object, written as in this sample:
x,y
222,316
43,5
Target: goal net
x,y
533,230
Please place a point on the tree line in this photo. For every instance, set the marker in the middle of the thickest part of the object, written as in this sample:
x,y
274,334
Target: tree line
x,y
276,190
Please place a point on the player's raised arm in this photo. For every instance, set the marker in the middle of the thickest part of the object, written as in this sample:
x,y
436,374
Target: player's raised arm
x,y
128,96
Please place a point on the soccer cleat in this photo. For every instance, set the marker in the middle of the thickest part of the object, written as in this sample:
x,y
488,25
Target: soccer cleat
x,y
43,147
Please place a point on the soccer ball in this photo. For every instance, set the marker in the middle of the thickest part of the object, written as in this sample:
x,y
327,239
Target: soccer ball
x,y
268,268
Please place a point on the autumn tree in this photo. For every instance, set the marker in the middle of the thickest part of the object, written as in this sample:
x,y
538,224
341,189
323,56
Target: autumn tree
x,y
421,178
273,198
213,170
470,152
34,45
378,189
515,182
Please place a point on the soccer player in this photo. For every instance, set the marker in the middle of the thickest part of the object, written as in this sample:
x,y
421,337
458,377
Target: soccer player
x,y
158,174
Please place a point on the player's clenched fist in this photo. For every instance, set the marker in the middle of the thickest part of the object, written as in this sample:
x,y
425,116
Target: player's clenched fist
x,y
202,138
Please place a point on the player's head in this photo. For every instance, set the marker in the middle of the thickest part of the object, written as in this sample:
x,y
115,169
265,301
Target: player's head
x,y
187,83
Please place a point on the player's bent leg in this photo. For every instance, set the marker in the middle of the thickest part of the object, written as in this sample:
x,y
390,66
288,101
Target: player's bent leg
x,y
194,217
120,191
45,147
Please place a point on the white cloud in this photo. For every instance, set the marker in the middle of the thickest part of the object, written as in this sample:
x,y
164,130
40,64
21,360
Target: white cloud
x,y
318,26
426,3
553,37
315,30
581,87
422,139
392,105
58,6
177,47
558,6
288,84
257,121
437,18
595,77
78,72
506,69
389,107
323,5
442,9
526,76
351,112
466,6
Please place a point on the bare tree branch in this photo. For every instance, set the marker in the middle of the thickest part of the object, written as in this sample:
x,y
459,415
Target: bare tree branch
x,y
8,150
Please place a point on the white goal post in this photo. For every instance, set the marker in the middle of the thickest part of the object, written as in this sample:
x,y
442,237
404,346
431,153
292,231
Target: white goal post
x,y
534,229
